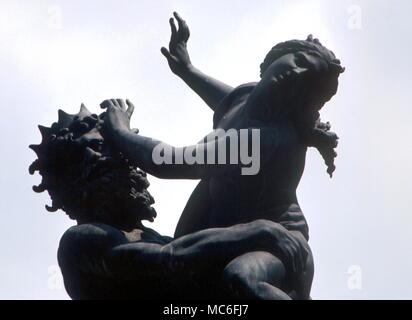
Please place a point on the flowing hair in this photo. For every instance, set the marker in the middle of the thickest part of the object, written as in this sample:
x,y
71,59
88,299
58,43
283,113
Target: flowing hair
x,y
320,136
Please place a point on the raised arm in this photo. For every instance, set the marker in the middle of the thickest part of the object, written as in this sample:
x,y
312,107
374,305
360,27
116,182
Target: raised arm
x,y
212,91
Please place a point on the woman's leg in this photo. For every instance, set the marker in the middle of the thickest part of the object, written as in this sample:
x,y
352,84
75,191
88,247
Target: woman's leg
x,y
256,275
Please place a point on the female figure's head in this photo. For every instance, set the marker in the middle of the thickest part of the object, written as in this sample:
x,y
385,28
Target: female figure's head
x,y
299,77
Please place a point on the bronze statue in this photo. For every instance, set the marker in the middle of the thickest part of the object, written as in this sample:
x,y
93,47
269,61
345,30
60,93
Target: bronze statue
x,y
239,236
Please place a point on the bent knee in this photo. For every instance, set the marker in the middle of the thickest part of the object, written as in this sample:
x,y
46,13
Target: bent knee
x,y
253,268
265,230
263,224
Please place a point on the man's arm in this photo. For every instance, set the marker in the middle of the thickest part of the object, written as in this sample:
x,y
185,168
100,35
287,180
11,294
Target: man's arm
x,y
104,251
212,91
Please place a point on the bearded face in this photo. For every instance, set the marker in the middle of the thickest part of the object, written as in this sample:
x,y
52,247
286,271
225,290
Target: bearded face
x,y
86,178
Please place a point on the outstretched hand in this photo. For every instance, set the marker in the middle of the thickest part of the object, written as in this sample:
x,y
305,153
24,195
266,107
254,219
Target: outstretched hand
x,y
118,114
177,56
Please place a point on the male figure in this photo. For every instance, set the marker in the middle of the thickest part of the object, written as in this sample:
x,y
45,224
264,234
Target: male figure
x,y
110,253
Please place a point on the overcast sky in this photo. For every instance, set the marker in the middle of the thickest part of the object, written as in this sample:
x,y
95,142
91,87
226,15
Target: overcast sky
x,y
58,54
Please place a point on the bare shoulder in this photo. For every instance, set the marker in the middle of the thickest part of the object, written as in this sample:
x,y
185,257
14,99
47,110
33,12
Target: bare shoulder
x,y
82,253
91,238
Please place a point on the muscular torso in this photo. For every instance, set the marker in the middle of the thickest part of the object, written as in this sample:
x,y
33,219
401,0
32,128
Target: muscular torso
x,y
229,199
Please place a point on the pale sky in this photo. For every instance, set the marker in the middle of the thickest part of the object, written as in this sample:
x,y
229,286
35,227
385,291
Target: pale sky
x,y
58,54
